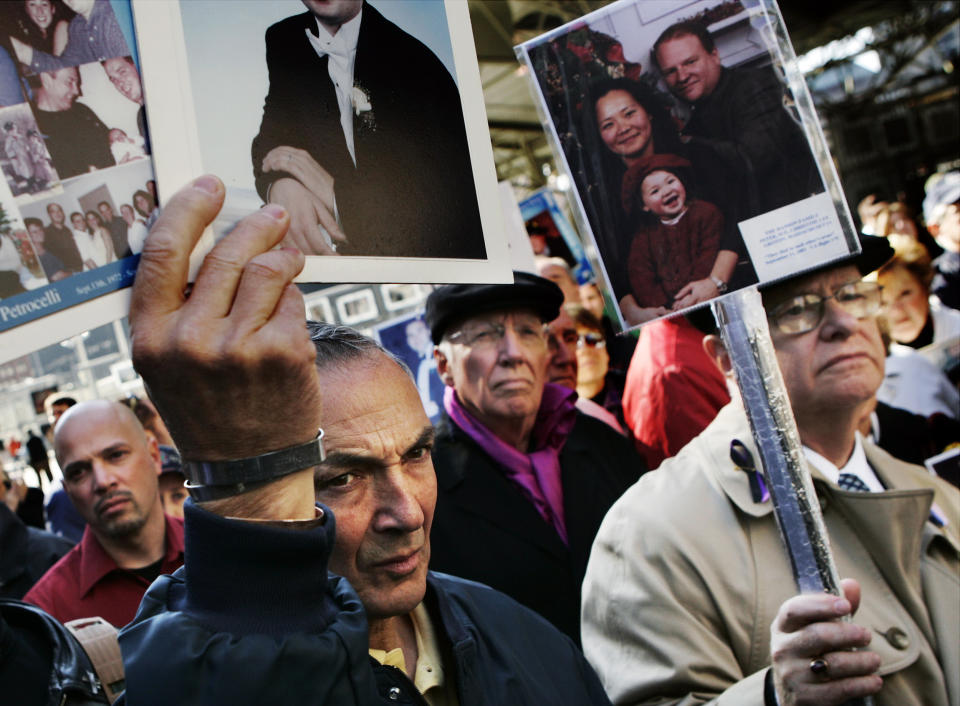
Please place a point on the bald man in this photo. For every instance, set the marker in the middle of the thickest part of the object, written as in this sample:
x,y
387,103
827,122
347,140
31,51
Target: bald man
x,y
110,470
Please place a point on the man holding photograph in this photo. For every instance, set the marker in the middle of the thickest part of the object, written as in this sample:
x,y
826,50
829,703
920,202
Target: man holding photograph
x,y
363,140
681,609
254,617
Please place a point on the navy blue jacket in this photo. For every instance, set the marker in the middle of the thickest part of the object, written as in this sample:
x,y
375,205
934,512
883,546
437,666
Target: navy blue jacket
x,y
25,554
253,617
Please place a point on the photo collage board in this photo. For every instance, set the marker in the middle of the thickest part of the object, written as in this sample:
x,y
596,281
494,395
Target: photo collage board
x,y
78,193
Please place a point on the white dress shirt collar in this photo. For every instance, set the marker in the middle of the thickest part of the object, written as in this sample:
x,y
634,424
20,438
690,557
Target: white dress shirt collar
x,y
344,42
857,465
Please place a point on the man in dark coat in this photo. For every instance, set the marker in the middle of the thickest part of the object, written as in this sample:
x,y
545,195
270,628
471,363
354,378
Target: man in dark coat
x,y
524,478
39,457
25,552
255,592
738,122
739,115
59,240
383,151
118,229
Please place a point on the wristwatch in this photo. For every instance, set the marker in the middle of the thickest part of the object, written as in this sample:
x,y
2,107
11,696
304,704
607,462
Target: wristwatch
x,y
214,480
720,284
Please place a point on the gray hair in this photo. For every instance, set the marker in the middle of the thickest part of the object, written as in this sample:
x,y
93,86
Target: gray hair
x,y
337,345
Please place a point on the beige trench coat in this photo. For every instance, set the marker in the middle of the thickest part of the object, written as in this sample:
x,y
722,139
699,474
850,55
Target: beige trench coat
x,y
687,574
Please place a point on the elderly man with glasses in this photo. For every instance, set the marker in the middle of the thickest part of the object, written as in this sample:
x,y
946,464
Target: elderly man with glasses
x,y
524,479
689,595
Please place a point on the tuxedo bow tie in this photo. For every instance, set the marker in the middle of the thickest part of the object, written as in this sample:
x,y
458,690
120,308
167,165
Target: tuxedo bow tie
x,y
335,49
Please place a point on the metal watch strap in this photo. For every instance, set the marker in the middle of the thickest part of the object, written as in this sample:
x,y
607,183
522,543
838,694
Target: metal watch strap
x,y
719,284
211,480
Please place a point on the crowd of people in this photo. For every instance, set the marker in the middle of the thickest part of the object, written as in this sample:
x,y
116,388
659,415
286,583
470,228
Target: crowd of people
x,y
587,522
571,573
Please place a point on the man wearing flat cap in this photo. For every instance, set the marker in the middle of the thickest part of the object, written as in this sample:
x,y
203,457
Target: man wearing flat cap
x,y
524,479
689,595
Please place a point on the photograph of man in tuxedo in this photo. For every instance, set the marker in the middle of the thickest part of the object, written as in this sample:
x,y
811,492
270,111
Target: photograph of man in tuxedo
x,y
362,139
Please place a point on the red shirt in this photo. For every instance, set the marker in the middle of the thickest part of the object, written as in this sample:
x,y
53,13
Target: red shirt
x,y
673,389
87,582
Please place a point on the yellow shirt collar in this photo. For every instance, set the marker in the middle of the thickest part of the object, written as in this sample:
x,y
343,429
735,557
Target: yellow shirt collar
x,y
429,671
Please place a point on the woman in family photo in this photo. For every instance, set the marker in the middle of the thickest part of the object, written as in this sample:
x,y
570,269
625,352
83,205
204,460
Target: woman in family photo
x,y
43,26
634,124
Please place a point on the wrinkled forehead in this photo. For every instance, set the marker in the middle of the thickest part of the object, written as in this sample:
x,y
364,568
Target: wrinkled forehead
x,y
823,283
368,401
496,316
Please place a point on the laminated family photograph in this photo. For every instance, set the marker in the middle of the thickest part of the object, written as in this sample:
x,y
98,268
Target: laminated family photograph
x,y
78,194
364,120
696,160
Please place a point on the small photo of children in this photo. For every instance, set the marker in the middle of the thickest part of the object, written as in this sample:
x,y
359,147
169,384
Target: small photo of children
x,y
676,236
23,154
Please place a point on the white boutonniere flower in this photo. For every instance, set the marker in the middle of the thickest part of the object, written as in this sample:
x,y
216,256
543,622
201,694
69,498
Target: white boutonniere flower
x,y
360,100
362,108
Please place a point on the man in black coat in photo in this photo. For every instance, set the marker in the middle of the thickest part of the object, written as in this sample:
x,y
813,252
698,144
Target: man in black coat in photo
x,y
362,139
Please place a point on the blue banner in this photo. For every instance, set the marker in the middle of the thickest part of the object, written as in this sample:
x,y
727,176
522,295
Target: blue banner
x,y
73,290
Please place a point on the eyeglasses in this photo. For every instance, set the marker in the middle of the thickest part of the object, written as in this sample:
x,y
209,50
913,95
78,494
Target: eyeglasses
x,y
530,334
591,340
804,312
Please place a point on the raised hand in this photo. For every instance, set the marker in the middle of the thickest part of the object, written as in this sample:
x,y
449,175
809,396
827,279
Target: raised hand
x,y
230,367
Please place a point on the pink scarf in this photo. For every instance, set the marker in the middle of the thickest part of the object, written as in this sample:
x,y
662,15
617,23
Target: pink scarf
x,y
536,473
